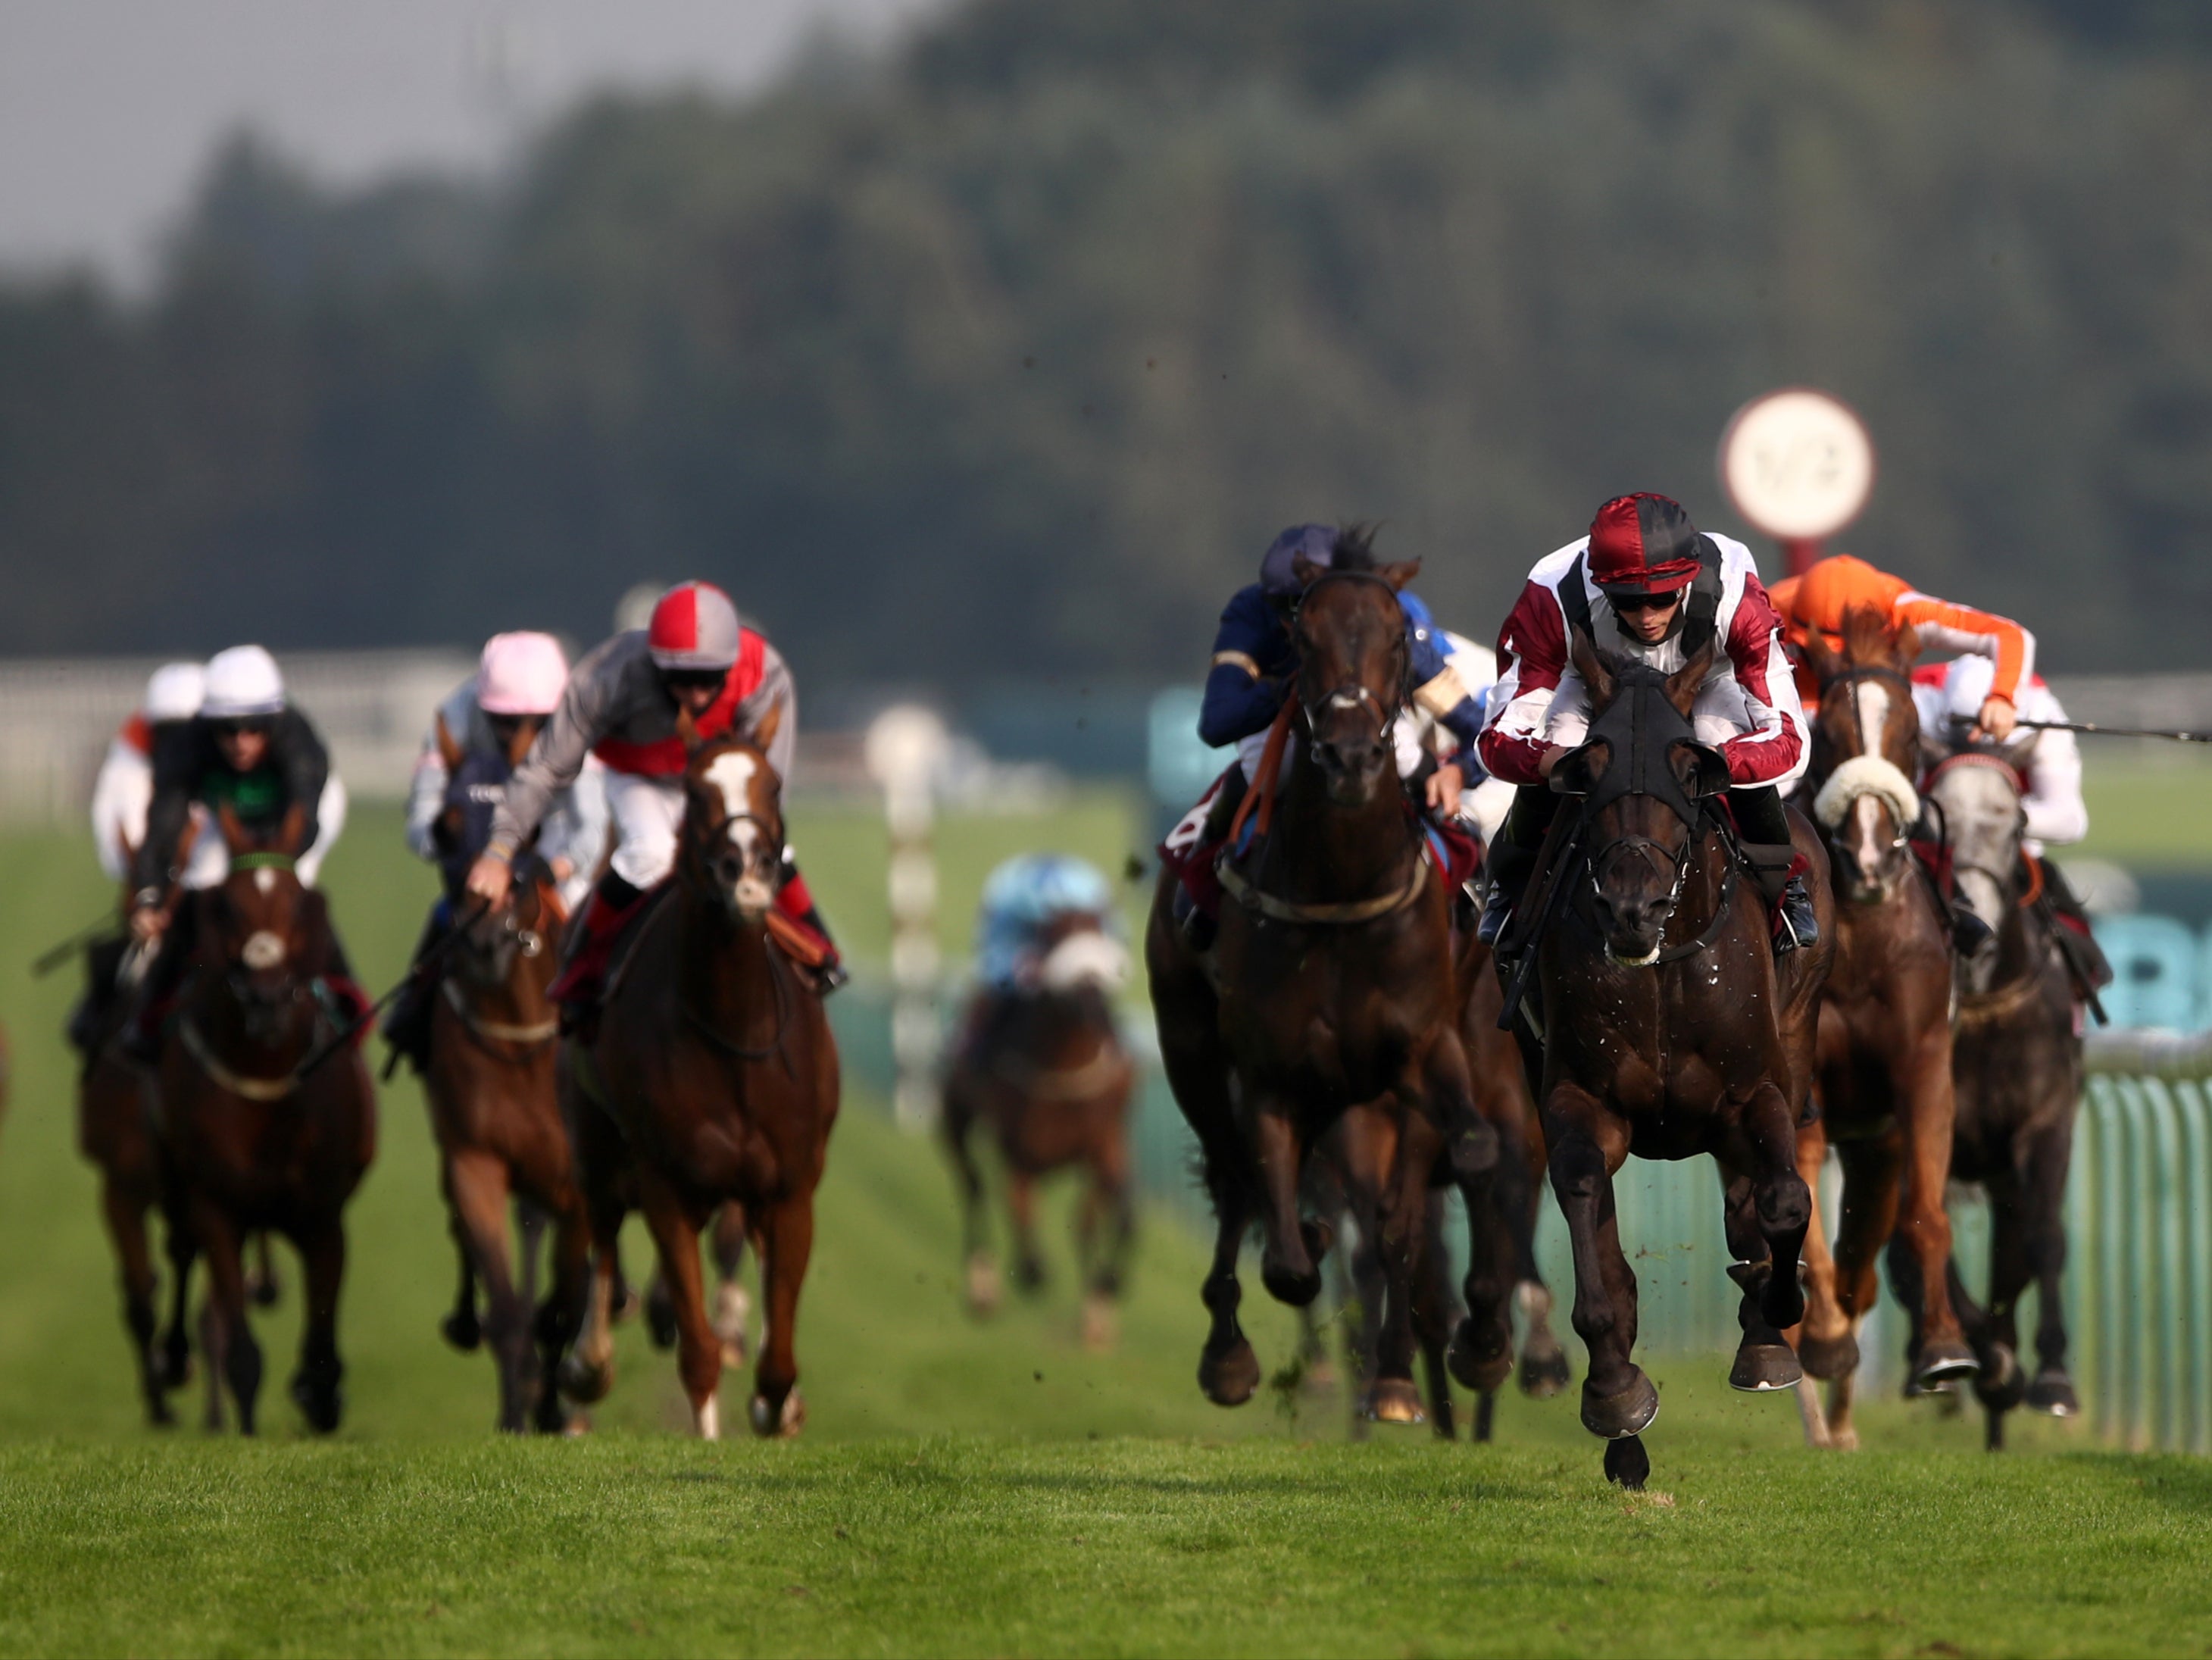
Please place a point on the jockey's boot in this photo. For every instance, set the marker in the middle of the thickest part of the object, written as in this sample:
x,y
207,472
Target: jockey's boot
x,y
1800,927
795,904
1510,859
1763,826
407,1024
582,980
2086,961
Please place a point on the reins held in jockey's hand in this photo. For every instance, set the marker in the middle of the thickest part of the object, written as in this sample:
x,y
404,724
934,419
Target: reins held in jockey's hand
x,y
420,966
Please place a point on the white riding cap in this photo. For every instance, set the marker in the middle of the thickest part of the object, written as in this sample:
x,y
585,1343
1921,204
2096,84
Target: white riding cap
x,y
522,674
174,692
240,682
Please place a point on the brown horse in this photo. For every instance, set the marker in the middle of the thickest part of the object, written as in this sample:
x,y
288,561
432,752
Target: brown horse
x,y
257,1142
2017,1062
1330,985
1047,1072
712,1079
1884,1071
1669,1030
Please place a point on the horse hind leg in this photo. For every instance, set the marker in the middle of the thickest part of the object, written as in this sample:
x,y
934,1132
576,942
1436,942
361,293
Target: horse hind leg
x,y
1823,1340
1618,1400
587,1372
233,1357
126,1223
263,1286
777,1408
316,1387
1545,1369
733,1308
477,1183
462,1327
2043,1199
986,1289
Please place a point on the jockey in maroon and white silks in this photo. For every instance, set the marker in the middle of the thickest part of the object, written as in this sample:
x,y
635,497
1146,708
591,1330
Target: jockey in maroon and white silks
x,y
1646,585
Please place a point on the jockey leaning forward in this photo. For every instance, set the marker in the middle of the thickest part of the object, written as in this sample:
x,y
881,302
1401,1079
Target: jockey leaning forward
x,y
1023,946
248,750
1646,585
1254,672
622,704
466,758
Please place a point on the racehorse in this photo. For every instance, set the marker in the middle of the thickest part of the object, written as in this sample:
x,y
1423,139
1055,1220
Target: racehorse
x,y
712,1078
2017,1061
1047,1073
1884,1068
495,1113
1669,1029
1330,985
256,1141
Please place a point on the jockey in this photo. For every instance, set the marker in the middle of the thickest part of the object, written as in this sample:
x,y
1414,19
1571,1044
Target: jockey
x,y
120,796
1254,667
622,704
247,749
1022,899
1819,598
494,714
1952,699
1645,584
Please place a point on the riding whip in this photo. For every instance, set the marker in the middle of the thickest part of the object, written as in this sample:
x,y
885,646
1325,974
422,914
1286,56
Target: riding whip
x,y
106,928
2117,732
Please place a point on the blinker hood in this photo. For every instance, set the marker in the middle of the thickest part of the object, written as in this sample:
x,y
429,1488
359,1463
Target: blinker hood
x,y
1639,728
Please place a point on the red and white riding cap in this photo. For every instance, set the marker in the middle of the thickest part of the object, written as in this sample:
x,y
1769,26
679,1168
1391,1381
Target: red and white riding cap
x,y
694,626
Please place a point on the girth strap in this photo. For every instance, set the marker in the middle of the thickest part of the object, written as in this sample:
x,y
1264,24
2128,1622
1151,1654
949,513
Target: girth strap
x,y
1286,911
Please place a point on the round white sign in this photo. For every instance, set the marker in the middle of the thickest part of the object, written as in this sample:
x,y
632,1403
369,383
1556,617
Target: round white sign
x,y
1798,464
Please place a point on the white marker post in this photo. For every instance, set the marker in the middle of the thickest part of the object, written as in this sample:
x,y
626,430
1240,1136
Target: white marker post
x,y
1799,465
903,748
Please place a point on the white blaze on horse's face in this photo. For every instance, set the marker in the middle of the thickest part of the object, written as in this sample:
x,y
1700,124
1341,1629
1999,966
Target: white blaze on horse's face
x,y
1873,700
1088,958
732,773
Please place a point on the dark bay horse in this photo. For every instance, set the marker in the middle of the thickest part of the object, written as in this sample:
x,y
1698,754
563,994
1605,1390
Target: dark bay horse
x,y
1669,1030
1884,1069
256,1143
2017,1061
495,1112
1047,1074
712,1079
1330,986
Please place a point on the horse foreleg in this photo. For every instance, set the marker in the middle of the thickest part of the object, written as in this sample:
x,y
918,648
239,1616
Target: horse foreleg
x,y
1823,1340
1021,1212
1432,1323
1868,1175
1404,1217
182,1248
315,1386
460,1328
2002,1384
733,1309
984,1289
531,1224
2043,1202
1588,1145
1228,1371
588,1372
1928,1107
675,1233
1286,1264
777,1408
476,1184
239,1363
1770,1209
124,1212
1111,1193
262,1283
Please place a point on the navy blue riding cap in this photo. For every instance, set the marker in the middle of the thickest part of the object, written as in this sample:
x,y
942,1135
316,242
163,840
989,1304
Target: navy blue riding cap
x,y
1278,574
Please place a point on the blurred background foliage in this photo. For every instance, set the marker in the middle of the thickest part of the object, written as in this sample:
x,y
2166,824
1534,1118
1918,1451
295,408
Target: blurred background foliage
x,y
1005,353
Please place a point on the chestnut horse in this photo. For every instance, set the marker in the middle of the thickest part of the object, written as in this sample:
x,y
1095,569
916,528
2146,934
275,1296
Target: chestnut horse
x,y
712,1079
1047,1073
1330,985
2017,1062
256,1142
1669,1031
495,1113
1883,1075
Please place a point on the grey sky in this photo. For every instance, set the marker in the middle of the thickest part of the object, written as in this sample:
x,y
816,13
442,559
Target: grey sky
x,y
108,108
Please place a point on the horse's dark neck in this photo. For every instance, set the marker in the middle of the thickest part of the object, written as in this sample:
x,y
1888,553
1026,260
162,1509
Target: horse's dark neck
x,y
723,973
1321,853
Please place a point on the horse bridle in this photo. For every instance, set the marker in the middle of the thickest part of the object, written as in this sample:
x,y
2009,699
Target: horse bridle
x,y
1970,758
1354,691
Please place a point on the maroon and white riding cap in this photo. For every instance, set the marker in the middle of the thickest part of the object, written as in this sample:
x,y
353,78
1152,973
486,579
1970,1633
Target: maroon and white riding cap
x,y
694,626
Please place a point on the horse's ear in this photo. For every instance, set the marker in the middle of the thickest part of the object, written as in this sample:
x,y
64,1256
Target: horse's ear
x,y
233,832
1687,681
763,733
1400,575
292,834
1826,666
1590,663
449,749
1308,571
1576,772
687,729
1701,769
2020,752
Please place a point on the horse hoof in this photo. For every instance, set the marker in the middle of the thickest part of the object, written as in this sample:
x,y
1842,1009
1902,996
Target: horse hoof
x,y
1545,1372
1618,1416
1229,1375
1947,1361
1626,1463
1760,1368
323,1407
986,1290
1393,1401
1284,1286
461,1331
1102,1323
2001,1385
2052,1391
264,1290
1828,1357
1028,1275
770,1423
584,1381
1479,1363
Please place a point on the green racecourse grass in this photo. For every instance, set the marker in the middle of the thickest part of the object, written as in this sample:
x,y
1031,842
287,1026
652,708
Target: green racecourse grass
x,y
961,1488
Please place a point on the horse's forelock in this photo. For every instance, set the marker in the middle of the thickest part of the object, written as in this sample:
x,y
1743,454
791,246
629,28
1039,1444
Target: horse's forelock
x,y
1871,638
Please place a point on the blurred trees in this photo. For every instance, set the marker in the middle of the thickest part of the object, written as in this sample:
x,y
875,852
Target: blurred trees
x,y
1007,355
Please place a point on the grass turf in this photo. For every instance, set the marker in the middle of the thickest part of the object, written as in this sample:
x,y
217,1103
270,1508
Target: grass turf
x,y
962,1488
